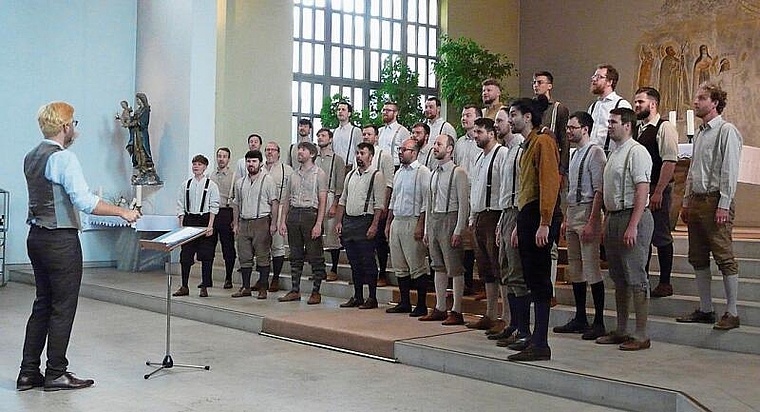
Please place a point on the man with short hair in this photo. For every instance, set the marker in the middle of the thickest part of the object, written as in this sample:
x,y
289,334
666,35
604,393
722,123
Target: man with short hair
x,y
392,134
223,176
357,223
198,205
582,227
280,173
536,226
466,150
438,125
603,83
446,217
335,168
304,135
304,201
254,143
421,134
660,138
255,211
708,205
628,227
383,162
491,95
406,227
484,216
555,117
57,192
346,136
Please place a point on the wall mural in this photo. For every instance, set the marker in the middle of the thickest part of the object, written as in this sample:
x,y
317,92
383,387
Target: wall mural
x,y
692,41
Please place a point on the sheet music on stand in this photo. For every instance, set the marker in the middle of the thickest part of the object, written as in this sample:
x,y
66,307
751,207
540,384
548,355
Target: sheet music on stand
x,y
177,237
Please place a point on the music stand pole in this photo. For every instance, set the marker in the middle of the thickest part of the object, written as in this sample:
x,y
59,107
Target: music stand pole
x,y
168,362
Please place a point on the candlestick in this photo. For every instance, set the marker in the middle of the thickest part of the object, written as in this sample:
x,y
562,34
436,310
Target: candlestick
x,y
690,122
672,117
138,195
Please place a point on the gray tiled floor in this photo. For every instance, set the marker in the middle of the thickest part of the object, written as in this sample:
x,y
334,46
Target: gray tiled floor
x,y
110,343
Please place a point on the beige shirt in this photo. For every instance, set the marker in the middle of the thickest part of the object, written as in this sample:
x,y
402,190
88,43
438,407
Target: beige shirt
x,y
628,165
450,192
280,173
426,155
334,167
304,187
715,167
224,179
479,189
667,139
255,196
383,162
409,195
510,173
355,188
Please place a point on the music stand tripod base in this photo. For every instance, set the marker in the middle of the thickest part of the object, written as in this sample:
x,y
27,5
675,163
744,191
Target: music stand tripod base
x,y
168,362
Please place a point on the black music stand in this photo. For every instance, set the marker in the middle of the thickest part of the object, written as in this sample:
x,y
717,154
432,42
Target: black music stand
x,y
167,243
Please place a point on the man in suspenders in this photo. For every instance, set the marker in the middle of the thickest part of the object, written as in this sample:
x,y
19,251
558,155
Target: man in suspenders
x,y
603,83
582,227
335,169
406,227
304,135
392,134
660,138
346,136
357,222
708,205
438,125
421,134
628,227
448,208
254,143
280,173
382,161
224,176
255,210
484,216
197,205
536,226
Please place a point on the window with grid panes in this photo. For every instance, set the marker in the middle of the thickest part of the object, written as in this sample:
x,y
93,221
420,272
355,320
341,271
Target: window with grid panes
x,y
339,47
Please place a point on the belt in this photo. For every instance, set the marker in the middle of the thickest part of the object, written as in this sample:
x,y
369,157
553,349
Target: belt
x,y
302,209
615,212
255,218
704,195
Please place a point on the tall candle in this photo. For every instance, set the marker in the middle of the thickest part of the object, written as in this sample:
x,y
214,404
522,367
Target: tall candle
x,y
138,195
690,122
672,117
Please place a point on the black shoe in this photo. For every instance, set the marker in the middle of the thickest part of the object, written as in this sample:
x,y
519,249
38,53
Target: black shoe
x,y
573,326
370,303
531,354
228,284
399,309
210,285
697,317
521,344
595,331
28,381
419,310
507,332
352,303
67,381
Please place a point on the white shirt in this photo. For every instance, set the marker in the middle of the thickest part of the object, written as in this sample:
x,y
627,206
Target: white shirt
x,y
391,137
439,127
409,194
197,187
466,151
345,139
600,112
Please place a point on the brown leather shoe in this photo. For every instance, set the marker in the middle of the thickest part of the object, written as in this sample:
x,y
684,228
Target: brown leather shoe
x,y
435,315
262,294
662,290
255,287
370,303
203,293
382,281
727,322
275,285
498,326
182,291
314,299
613,338
352,303
454,318
482,324
243,292
290,297
634,344
331,277
480,295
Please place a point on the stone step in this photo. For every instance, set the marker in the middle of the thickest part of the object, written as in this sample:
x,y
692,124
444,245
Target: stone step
x,y
748,267
743,248
685,284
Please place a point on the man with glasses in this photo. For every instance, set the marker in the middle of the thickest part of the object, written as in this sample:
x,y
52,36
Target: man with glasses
x,y
281,174
603,83
392,134
223,176
57,192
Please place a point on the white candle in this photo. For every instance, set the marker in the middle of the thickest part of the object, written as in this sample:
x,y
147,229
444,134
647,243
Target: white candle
x,y
138,195
690,122
672,117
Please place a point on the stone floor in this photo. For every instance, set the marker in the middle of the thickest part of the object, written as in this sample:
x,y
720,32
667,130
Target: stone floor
x,y
110,343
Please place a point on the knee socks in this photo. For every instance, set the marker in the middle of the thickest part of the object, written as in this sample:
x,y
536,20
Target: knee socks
x,y
458,284
579,293
597,293
731,283
441,282
704,277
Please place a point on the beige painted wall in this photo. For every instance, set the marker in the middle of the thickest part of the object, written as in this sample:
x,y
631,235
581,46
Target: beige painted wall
x,y
254,72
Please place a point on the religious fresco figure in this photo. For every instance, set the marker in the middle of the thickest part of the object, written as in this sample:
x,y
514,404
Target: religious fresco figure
x,y
646,55
702,67
673,83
